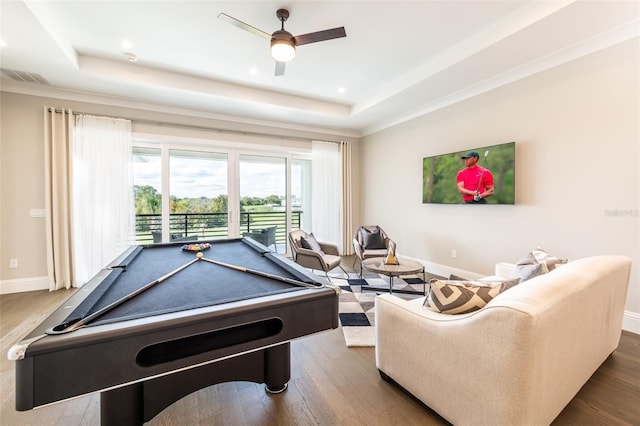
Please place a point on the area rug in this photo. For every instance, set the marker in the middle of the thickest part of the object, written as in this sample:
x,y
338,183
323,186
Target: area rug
x,y
356,307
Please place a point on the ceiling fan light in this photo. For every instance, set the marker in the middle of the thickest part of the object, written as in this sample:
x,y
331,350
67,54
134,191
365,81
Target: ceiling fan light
x,y
282,50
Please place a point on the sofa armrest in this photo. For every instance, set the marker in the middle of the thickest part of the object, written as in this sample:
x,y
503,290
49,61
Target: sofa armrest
x,y
504,269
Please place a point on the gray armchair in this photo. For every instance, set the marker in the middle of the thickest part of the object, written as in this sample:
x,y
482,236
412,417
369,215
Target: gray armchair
x,y
265,236
316,255
371,241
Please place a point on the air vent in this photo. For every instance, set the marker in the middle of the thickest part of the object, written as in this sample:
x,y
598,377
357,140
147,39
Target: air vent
x,y
23,76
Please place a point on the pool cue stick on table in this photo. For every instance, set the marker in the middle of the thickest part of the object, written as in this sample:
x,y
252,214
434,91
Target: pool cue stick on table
x,y
262,274
102,311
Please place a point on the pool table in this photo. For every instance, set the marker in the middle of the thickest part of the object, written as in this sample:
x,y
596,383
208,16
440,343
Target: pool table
x,y
204,325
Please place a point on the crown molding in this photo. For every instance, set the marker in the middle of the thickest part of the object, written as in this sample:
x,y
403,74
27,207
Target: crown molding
x,y
10,86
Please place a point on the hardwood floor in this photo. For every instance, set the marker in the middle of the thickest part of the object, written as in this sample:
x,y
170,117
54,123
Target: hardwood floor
x,y
330,385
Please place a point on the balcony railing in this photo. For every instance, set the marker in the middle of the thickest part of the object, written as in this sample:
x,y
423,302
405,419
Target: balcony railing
x,y
201,226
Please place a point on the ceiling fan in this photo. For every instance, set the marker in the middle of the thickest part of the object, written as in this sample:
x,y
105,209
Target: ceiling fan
x,y
283,44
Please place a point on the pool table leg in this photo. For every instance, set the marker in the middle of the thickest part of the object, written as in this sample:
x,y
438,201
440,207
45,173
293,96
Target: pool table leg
x,y
277,367
139,402
122,406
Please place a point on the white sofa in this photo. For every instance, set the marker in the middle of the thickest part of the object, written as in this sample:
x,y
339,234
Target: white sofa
x,y
517,361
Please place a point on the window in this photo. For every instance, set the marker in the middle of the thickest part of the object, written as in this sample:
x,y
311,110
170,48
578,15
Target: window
x,y
198,200
301,194
263,200
147,188
217,193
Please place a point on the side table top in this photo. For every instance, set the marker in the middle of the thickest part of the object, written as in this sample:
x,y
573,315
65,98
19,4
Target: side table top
x,y
405,267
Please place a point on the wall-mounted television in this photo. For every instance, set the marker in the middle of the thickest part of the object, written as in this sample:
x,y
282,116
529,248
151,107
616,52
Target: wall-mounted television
x,y
452,179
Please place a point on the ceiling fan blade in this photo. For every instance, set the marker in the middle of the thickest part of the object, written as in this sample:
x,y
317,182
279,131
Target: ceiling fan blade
x,y
280,68
320,36
253,30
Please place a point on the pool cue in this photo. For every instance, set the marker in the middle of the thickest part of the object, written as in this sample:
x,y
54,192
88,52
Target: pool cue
x,y
102,311
262,274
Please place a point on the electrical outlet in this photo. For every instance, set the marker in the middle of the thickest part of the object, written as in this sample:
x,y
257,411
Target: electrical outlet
x,y
13,263
37,213
454,253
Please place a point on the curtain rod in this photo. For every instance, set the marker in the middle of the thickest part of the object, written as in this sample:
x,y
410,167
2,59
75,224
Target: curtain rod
x,y
214,129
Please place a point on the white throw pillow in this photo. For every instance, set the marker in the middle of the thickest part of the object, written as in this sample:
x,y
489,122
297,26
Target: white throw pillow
x,y
527,268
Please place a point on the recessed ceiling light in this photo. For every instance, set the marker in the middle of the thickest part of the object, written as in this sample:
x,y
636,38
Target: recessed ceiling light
x,y
253,71
126,44
2,43
340,89
131,57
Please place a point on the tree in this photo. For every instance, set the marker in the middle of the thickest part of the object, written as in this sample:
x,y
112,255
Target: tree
x,y
220,204
272,199
148,200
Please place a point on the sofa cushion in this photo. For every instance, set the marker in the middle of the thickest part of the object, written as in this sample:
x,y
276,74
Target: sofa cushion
x,y
371,239
461,297
309,242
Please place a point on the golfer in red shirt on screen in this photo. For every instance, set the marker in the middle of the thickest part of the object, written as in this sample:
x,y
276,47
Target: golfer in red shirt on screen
x,y
475,183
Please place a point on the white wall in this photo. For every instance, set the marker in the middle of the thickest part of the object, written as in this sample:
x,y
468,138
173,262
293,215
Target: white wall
x,y
577,159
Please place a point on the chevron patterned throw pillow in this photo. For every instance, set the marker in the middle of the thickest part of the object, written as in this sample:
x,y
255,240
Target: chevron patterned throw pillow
x,y
461,297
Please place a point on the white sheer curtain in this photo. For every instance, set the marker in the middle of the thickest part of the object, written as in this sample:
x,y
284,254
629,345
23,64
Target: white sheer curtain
x,y
326,193
103,212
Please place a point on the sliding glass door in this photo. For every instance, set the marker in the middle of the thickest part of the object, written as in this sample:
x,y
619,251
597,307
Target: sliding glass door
x,y
147,180
301,194
263,200
188,194
198,207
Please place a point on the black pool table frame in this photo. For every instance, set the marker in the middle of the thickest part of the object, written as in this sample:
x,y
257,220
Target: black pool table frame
x,y
143,365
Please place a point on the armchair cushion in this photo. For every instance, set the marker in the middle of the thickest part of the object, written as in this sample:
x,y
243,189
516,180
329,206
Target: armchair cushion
x,y
310,242
372,239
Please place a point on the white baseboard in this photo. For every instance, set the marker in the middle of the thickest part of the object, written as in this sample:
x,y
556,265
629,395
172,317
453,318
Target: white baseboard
x,y
24,284
443,270
630,321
